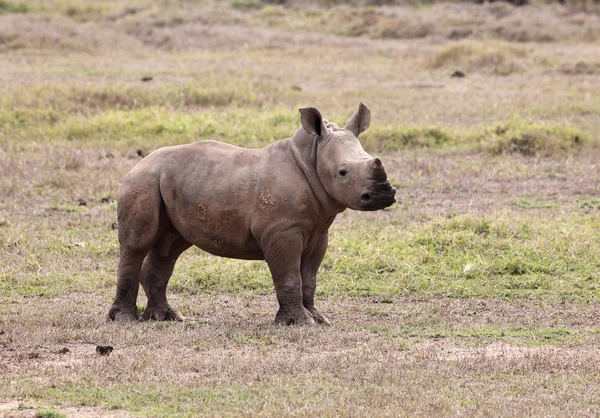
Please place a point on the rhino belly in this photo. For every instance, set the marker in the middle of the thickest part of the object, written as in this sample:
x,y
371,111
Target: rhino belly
x,y
226,233
217,224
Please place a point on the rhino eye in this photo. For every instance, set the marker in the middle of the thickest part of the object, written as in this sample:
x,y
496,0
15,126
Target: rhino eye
x,y
343,172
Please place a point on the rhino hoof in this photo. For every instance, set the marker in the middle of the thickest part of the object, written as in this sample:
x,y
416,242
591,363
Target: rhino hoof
x,y
118,314
162,314
319,318
300,318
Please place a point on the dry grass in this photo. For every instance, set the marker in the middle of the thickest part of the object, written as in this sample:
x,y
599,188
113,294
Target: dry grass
x,y
500,59
477,294
378,358
439,21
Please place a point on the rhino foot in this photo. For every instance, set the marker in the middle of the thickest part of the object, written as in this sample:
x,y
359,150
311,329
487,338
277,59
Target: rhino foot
x,y
163,313
319,318
296,317
123,314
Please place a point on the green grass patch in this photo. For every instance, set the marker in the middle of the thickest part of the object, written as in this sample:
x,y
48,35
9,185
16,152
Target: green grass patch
x,y
518,336
51,104
504,256
246,4
532,138
157,126
589,204
394,137
528,204
11,7
466,257
50,413
155,118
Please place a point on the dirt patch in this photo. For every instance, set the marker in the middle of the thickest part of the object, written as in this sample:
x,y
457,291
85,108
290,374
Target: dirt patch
x,y
229,343
446,350
26,409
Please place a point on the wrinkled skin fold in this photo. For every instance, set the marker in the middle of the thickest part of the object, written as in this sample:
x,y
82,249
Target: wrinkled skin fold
x,y
274,204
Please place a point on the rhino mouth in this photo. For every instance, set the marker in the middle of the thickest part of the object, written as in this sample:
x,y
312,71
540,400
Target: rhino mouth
x,y
378,197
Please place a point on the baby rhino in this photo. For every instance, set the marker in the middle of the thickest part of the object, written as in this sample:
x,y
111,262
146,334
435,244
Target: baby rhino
x,y
274,204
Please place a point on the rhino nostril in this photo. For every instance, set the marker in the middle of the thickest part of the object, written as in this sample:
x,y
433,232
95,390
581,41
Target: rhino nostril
x,y
366,197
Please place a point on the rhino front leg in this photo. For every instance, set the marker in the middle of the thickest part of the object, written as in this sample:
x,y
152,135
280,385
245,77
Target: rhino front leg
x,y
283,253
308,269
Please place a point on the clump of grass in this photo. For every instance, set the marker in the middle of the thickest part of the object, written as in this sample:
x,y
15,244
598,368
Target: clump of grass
x,y
246,4
581,67
87,11
373,23
495,58
388,28
527,204
400,137
589,204
346,21
532,138
49,413
352,22
10,7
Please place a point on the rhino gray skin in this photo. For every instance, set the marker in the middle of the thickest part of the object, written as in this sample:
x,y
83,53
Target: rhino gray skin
x,y
275,204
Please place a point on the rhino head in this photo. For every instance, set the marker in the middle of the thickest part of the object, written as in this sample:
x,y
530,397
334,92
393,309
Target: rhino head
x,y
349,175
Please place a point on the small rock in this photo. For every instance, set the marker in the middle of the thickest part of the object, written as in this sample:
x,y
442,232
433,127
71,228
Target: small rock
x,y
64,350
81,202
104,350
147,78
458,74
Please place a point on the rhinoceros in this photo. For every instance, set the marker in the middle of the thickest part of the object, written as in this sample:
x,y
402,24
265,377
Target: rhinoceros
x,y
274,204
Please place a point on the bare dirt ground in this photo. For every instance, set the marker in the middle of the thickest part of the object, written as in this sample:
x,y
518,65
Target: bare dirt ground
x,y
229,341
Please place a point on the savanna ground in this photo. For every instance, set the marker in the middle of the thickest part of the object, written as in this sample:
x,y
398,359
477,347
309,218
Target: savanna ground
x,y
477,294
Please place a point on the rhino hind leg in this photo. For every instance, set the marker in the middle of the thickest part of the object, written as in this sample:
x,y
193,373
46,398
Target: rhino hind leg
x,y
140,220
156,272
124,308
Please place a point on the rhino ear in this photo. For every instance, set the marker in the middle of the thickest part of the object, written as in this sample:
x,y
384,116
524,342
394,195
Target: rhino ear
x,y
360,121
312,121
